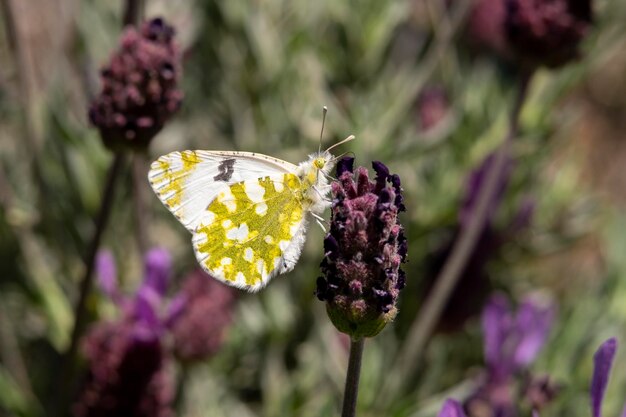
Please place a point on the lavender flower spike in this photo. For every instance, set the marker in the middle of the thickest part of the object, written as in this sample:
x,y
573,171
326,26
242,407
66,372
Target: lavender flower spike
x,y
139,87
602,361
363,251
451,408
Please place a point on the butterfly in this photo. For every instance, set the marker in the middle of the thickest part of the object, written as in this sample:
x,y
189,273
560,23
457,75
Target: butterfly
x,y
247,212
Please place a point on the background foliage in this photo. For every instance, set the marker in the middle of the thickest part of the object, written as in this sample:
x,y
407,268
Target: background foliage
x,y
256,75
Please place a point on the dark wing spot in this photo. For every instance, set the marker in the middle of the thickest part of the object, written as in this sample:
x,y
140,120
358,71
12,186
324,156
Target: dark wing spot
x,y
225,169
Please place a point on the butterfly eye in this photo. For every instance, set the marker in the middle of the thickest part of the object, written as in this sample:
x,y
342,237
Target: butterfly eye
x,y
319,163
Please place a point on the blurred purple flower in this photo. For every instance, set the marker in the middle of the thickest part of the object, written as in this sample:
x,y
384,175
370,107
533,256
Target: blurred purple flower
x,y
363,250
127,360
147,305
184,316
451,408
602,364
513,341
547,32
531,32
199,327
139,87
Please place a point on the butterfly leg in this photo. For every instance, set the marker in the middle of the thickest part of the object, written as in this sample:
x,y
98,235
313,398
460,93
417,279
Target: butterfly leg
x,y
321,193
321,225
328,176
320,221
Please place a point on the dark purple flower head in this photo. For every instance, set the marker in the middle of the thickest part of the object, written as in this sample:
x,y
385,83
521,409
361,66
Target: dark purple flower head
x,y
602,364
127,374
127,358
363,250
532,32
547,32
451,408
512,341
139,87
199,328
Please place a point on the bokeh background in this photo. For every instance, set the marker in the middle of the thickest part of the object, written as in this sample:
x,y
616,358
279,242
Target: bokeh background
x,y
420,94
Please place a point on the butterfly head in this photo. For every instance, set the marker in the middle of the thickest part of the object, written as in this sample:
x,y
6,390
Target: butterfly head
x,y
316,169
320,162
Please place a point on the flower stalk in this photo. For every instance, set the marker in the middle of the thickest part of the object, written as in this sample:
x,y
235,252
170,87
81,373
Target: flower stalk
x,y
352,378
86,283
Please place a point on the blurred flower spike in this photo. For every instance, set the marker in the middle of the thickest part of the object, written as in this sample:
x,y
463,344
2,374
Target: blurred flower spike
x,y
363,251
602,364
513,341
184,316
147,307
139,87
532,32
128,358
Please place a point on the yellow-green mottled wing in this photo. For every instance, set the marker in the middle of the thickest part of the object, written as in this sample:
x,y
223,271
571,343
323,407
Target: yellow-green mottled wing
x,y
252,230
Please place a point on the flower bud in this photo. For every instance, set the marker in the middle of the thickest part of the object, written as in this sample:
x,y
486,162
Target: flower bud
x,y
139,87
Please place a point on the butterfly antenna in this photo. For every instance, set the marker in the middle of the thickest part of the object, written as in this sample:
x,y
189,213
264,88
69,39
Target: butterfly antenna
x,y
324,111
348,139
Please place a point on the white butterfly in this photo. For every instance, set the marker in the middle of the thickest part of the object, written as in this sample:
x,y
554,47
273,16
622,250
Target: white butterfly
x,y
247,211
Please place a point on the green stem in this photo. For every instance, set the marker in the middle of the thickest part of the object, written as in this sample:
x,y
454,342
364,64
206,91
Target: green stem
x,y
352,378
140,199
133,12
80,316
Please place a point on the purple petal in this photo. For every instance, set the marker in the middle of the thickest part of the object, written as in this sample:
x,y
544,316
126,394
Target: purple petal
x,y
158,264
345,164
602,363
175,309
146,307
496,323
106,273
451,408
533,324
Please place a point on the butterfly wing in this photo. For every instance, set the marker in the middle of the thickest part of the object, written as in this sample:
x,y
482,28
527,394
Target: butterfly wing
x,y
253,230
187,182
